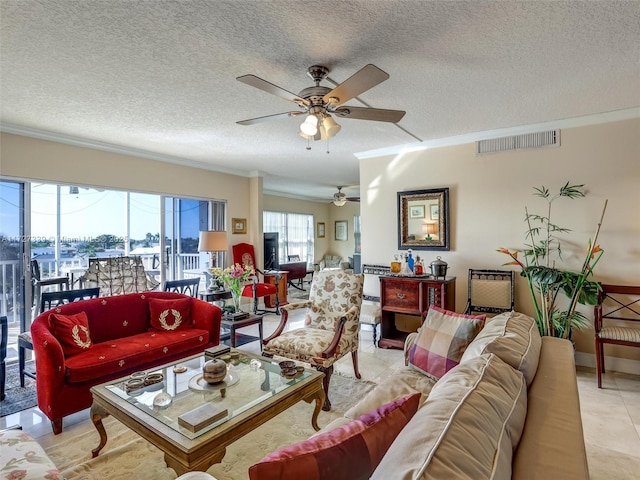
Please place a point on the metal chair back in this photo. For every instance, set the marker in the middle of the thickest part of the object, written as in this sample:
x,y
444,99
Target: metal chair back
x,y
51,300
490,291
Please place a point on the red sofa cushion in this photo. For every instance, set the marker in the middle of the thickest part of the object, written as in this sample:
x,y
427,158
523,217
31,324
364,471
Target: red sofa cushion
x,y
170,315
72,331
123,354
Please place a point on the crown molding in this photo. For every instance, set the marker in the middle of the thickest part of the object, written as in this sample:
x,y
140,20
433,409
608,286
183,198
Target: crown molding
x,y
112,148
594,119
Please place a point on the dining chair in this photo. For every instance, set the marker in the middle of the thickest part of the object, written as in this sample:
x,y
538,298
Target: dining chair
x,y
490,291
616,320
38,284
188,286
49,300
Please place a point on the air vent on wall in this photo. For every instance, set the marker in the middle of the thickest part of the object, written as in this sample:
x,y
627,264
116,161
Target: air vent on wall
x,y
549,138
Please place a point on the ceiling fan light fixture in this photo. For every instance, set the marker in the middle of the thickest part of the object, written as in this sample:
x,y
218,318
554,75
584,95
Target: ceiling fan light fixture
x,y
310,125
339,202
330,126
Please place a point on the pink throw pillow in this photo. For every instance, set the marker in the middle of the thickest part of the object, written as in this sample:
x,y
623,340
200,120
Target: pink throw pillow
x,y
350,452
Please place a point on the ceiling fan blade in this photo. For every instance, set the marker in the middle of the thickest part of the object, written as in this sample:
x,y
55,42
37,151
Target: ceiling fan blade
x,y
269,87
376,114
267,118
353,199
367,77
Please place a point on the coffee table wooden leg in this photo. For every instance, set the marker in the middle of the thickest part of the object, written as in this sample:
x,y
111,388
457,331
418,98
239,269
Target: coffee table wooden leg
x,y
202,466
318,396
97,414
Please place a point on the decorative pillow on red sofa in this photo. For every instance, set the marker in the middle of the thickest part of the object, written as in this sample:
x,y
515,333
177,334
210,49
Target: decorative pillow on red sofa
x,y
350,452
169,315
72,331
442,339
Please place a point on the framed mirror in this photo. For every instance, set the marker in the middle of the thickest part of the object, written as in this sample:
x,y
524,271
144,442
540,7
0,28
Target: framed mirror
x,y
423,219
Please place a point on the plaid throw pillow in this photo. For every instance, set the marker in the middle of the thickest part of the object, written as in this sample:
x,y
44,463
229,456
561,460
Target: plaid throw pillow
x,y
442,340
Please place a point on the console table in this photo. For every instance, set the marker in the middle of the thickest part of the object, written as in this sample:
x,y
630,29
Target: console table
x,y
411,296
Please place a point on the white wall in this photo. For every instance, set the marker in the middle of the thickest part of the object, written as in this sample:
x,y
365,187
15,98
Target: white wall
x,y
488,195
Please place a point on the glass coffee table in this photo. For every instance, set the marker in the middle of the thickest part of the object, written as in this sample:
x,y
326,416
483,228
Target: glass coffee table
x,y
155,404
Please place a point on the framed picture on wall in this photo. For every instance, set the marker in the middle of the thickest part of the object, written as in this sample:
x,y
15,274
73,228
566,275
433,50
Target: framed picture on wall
x,y
416,211
435,212
320,230
341,230
238,225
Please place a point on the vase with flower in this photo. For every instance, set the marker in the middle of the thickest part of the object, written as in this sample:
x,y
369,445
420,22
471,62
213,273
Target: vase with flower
x,y
234,278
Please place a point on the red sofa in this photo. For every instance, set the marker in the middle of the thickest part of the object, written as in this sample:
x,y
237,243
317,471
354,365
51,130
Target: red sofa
x,y
122,342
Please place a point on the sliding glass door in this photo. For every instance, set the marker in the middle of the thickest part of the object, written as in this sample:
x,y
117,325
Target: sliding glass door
x,y
13,235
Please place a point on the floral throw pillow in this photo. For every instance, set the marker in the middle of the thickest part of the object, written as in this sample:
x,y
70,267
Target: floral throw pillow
x,y
170,315
72,331
442,339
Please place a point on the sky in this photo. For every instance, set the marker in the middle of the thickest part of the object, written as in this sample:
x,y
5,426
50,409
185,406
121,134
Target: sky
x,y
88,213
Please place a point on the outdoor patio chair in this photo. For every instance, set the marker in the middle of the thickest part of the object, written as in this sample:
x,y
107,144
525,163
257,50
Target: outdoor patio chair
x,y
330,326
38,283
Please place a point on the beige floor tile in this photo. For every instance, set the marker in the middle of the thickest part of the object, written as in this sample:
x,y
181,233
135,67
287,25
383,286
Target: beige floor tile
x,y
606,464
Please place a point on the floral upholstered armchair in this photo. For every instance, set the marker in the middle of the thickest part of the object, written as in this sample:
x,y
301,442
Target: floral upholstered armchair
x,y
330,325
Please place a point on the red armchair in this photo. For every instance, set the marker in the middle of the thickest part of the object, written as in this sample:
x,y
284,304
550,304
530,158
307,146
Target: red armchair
x,y
244,254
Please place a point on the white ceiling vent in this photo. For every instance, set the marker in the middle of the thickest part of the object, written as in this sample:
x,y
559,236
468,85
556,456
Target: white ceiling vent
x,y
550,138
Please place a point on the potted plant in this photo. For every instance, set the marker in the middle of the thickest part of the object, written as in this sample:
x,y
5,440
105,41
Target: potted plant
x,y
545,280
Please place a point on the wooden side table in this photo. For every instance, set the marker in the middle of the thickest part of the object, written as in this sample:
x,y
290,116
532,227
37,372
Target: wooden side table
x,y
270,277
411,296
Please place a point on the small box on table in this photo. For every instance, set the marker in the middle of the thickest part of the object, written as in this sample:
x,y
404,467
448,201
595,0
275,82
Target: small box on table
x,y
201,417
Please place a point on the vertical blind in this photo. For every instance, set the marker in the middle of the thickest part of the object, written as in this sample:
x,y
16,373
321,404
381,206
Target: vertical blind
x,y
295,234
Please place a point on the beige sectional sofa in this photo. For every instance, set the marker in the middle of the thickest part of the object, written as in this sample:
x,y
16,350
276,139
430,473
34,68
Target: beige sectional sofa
x,y
510,409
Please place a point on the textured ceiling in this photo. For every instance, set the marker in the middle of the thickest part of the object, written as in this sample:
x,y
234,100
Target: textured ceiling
x,y
160,76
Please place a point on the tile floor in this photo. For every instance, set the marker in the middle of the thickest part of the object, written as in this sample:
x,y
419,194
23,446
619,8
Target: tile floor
x,y
610,416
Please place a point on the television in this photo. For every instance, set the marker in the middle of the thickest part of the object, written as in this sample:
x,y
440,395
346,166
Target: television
x,y
271,261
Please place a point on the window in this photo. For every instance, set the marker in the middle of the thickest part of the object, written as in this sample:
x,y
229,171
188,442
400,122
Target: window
x,y
295,234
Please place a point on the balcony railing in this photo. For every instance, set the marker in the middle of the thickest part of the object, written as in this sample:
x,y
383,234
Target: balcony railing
x,y
10,275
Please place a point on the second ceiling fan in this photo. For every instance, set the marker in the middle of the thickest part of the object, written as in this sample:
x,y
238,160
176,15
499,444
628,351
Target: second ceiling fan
x,y
319,103
339,198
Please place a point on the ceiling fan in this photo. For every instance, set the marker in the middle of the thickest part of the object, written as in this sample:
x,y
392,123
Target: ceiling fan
x,y
318,103
339,198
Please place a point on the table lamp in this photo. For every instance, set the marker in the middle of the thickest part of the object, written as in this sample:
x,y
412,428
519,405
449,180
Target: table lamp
x,y
213,241
430,229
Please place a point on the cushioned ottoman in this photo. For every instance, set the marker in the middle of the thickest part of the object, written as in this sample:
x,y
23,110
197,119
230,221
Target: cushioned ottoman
x,y
22,457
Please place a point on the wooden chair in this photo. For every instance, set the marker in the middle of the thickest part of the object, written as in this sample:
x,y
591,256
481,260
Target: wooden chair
x,y
188,286
331,325
244,254
490,291
616,320
49,300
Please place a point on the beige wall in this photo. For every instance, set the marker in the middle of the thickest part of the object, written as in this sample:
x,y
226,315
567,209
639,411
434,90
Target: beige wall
x,y
488,195
29,158
324,212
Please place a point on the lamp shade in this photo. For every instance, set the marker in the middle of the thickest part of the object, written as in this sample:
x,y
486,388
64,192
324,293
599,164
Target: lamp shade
x,y
213,241
331,128
310,125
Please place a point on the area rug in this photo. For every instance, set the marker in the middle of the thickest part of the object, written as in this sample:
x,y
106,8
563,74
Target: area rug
x,y
127,456
16,397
